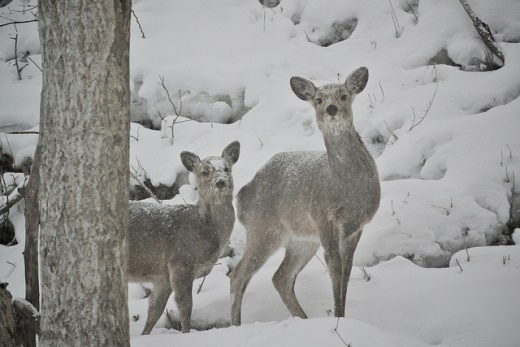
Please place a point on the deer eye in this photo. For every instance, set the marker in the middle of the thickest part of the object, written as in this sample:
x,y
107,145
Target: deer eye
x,y
205,173
344,97
319,101
226,169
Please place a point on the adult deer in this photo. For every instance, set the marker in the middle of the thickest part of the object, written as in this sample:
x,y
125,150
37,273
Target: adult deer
x,y
298,200
171,245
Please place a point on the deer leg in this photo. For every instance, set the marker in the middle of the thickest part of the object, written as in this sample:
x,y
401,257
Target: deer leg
x,y
348,247
254,257
330,243
182,284
160,293
297,255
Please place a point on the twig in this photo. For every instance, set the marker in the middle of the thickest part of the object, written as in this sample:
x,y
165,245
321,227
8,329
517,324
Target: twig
x,y
322,263
428,107
134,176
307,36
510,153
466,247
335,330
23,132
9,145
137,135
380,86
443,208
10,203
18,22
18,69
200,287
411,10
139,24
366,275
459,265
397,27
391,131
25,55
177,112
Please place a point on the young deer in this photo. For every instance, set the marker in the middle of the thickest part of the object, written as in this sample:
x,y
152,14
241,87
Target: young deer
x,y
170,246
298,200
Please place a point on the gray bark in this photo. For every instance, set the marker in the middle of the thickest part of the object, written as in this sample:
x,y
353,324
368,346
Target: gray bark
x,y
8,334
30,254
84,172
483,31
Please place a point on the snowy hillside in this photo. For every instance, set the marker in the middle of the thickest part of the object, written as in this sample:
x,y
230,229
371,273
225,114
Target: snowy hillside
x,y
444,132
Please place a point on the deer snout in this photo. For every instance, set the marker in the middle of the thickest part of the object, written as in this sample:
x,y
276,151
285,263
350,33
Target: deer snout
x,y
332,110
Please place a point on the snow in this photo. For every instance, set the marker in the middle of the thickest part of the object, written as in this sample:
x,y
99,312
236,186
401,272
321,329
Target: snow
x,y
447,182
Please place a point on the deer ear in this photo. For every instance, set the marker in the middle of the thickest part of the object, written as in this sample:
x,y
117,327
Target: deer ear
x,y
232,152
304,89
357,80
190,161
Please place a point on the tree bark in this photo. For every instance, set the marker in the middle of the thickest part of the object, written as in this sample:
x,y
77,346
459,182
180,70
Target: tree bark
x,y
483,31
84,172
8,334
32,220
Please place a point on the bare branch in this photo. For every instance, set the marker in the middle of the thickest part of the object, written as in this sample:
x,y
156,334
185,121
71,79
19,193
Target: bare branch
x,y
139,24
23,132
177,112
18,22
25,55
12,200
428,107
134,176
18,70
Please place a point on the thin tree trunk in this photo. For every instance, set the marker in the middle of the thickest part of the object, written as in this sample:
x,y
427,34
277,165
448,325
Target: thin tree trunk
x,y
84,172
484,32
32,219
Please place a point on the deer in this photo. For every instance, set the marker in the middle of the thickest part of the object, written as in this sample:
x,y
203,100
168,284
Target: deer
x,y
303,199
171,245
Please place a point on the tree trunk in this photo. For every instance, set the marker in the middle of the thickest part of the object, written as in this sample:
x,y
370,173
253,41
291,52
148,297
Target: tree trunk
x,y
84,172
8,334
32,220
483,31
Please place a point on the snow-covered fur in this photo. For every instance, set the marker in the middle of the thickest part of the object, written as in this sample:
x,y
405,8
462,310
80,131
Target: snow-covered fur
x,y
170,246
301,199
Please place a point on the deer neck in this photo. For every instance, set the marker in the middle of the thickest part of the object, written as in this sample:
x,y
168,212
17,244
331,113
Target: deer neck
x,y
218,211
345,152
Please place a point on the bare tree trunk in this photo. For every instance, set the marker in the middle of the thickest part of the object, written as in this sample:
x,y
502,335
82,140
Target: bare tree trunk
x,y
484,32
84,172
32,219
8,334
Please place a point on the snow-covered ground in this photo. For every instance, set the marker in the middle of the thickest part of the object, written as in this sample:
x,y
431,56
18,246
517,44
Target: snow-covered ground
x,y
444,133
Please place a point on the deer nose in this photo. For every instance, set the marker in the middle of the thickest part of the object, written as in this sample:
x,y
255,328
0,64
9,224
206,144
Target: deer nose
x,y
220,184
332,109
